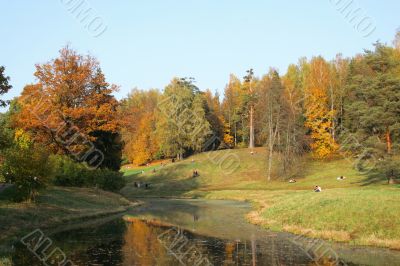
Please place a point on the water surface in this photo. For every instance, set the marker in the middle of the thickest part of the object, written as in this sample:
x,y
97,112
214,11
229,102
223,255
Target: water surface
x,y
195,232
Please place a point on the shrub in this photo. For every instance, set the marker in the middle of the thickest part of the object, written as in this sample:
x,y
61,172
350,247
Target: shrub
x,y
27,169
66,172
108,180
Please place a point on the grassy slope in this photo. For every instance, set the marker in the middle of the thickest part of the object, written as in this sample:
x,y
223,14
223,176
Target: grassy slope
x,y
56,206
354,210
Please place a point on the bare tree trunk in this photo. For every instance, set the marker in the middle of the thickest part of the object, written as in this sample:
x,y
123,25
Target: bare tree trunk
x,y
333,130
270,162
273,131
251,143
235,135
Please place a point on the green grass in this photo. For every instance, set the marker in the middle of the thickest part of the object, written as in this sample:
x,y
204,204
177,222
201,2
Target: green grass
x,y
56,206
137,170
358,210
249,174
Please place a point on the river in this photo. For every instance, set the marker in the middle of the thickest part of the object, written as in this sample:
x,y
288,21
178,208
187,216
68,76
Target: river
x,y
188,232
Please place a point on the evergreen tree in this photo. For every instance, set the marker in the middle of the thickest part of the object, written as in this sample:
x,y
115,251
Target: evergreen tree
x,y
373,105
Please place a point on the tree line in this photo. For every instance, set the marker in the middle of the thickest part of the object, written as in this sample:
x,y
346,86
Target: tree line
x,y
70,112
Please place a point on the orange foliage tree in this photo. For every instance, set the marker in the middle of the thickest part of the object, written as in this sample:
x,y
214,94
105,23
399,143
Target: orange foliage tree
x,y
138,117
71,110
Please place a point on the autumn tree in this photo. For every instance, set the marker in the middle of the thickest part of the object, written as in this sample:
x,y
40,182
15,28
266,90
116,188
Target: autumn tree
x,y
319,115
233,110
214,116
138,118
71,110
294,141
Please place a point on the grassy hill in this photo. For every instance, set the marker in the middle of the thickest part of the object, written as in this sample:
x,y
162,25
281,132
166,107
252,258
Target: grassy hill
x,y
361,209
248,173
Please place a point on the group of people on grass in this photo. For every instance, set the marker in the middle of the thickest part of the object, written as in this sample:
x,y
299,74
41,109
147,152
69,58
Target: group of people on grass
x,y
317,188
141,185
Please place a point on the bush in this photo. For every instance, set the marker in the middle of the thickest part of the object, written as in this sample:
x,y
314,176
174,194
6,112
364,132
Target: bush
x,y
108,180
27,169
66,172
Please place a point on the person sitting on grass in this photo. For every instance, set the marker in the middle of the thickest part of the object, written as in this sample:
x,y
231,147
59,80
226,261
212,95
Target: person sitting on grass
x,y
340,178
317,189
195,173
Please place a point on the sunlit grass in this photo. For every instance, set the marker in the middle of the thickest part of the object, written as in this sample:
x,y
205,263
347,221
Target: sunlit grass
x,y
351,210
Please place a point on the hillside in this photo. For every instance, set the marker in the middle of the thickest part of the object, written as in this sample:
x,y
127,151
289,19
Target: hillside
x,y
248,173
283,206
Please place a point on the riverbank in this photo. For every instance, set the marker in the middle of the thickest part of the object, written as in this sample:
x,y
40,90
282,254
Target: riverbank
x,y
358,210
57,207
358,217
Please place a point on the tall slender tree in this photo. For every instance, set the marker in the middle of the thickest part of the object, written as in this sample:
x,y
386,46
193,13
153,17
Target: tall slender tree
x,y
231,108
248,80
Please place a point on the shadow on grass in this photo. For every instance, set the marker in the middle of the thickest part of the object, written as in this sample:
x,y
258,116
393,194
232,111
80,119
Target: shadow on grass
x,y
172,181
373,177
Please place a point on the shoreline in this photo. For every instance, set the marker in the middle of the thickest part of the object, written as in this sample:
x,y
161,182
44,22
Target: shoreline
x,y
63,215
259,206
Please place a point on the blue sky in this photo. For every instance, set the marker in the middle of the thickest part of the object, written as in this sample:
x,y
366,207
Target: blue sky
x,y
147,43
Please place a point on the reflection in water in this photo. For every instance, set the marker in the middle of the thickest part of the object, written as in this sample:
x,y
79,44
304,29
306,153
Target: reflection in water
x,y
194,233
142,246
152,243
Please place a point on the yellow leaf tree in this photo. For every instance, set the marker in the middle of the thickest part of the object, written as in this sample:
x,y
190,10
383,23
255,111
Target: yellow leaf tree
x,y
319,117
